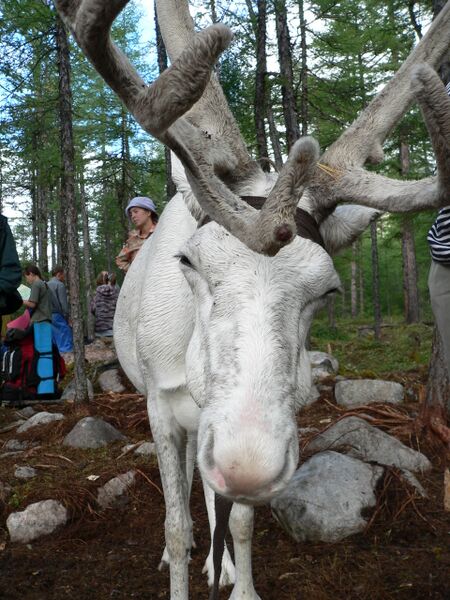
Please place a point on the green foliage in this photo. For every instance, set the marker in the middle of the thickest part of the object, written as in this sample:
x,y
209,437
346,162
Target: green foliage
x,y
401,348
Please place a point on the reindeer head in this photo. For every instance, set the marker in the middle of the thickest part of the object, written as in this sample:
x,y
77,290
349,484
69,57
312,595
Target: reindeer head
x,y
255,284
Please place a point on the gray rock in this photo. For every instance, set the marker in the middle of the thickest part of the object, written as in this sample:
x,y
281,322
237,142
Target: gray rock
x,y
412,480
323,365
40,418
113,493
325,497
307,430
38,519
92,432
323,360
313,395
361,440
16,445
12,425
146,449
357,392
5,491
25,472
69,391
26,412
109,381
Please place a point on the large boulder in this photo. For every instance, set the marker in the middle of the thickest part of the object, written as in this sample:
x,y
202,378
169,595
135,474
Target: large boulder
x,y
359,439
358,392
92,432
38,519
325,498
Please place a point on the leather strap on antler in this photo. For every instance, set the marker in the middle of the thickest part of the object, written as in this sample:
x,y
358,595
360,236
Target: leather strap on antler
x,y
307,226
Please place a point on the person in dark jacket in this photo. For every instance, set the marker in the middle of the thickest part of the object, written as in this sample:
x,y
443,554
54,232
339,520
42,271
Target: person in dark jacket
x,y
103,304
10,271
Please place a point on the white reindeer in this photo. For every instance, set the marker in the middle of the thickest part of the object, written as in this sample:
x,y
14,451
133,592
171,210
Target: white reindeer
x,y
211,321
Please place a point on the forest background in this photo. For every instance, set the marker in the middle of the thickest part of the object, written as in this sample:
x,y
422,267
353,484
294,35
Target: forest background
x,y
294,68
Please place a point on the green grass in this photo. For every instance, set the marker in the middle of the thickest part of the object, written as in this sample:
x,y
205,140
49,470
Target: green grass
x,y
401,348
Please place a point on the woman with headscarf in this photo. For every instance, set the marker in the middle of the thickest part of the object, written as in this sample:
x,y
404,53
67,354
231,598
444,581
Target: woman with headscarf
x,y
141,211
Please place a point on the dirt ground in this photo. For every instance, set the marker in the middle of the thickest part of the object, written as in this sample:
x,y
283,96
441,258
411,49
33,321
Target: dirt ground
x,y
403,554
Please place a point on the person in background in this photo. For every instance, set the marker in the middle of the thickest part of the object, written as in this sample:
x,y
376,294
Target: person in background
x,y
103,304
439,275
62,332
10,271
39,301
141,211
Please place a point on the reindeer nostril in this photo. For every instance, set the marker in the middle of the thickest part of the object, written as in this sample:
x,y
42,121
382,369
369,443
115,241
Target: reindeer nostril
x,y
283,233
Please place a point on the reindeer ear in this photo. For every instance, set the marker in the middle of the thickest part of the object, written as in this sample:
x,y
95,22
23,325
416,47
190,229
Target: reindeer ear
x,y
345,224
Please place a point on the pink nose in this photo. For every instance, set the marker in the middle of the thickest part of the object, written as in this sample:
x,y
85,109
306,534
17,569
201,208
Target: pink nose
x,y
236,481
250,465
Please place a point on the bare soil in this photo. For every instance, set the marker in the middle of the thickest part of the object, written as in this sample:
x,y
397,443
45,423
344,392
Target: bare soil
x,y
403,554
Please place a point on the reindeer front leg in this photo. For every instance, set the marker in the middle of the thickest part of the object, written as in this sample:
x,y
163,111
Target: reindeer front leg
x,y
241,527
227,575
170,448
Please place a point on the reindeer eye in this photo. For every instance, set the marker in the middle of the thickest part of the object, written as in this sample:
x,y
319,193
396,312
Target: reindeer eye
x,y
333,292
184,260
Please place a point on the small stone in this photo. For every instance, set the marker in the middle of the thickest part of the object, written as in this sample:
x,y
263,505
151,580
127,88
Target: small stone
x,y
146,449
40,418
38,519
25,472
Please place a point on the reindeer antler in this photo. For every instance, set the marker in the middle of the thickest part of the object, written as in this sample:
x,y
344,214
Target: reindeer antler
x,y
363,140
159,108
154,106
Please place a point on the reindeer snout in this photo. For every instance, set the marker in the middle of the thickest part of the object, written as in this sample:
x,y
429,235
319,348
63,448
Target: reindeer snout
x,y
249,466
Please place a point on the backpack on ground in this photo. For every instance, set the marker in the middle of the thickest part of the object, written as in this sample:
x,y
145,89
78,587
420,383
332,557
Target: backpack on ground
x,y
20,372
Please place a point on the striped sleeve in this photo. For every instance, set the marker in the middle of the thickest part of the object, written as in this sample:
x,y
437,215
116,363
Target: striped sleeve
x,y
439,237
439,234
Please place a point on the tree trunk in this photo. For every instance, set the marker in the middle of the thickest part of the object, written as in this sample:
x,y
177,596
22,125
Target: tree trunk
x,y
375,281
42,228
444,70
436,407
353,283
69,201
52,221
124,187
410,279
162,66
275,140
88,270
304,117
361,278
286,72
260,101
331,313
34,202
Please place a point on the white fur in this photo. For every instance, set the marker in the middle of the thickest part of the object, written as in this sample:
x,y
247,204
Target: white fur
x,y
218,348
